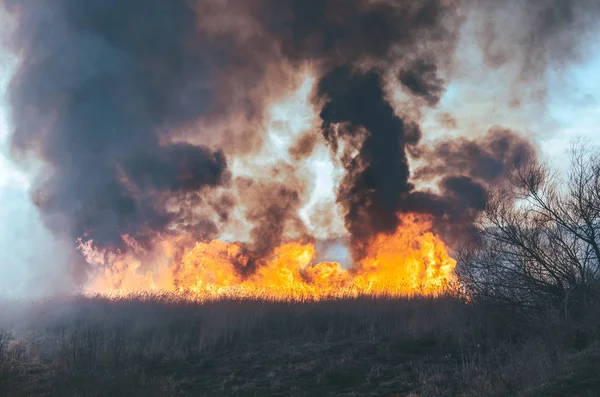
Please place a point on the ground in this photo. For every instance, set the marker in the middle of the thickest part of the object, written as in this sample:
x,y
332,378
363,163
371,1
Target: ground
x,y
158,346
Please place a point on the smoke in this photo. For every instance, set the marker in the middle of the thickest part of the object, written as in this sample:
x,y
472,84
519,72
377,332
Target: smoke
x,y
377,184
377,177
346,31
272,208
98,88
464,170
140,107
31,256
535,35
486,158
423,81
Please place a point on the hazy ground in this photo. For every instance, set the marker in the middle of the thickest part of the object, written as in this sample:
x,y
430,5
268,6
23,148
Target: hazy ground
x,y
359,347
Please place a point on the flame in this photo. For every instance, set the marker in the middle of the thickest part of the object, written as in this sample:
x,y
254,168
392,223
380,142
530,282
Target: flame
x,y
411,261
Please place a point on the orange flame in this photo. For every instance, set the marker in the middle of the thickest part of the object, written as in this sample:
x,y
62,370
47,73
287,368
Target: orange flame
x,y
411,261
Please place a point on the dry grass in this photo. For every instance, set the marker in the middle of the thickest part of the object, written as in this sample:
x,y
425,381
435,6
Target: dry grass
x,y
155,346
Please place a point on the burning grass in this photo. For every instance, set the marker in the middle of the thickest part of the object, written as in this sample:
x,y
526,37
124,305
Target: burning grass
x,y
159,345
411,261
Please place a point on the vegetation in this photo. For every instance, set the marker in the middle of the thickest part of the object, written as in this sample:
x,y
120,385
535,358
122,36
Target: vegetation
x,y
538,243
529,326
152,346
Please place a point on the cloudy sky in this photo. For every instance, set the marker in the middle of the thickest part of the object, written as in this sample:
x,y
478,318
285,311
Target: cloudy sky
x,y
571,110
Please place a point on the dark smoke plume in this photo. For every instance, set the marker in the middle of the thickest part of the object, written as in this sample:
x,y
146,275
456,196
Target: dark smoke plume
x,y
102,85
376,187
347,31
465,169
99,86
422,80
487,158
378,176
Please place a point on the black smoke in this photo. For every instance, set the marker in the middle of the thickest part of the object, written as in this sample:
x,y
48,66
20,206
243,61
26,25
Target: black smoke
x,y
347,31
422,79
98,87
102,84
377,177
377,185
486,158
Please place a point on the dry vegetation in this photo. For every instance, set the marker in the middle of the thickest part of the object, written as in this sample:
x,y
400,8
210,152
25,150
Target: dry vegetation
x,y
152,346
531,325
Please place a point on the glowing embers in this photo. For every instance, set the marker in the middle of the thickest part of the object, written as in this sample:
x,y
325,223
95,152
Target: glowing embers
x,y
411,261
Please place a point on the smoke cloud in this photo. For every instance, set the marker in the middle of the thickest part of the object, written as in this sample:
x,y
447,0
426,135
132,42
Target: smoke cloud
x,y
104,87
377,176
546,33
97,89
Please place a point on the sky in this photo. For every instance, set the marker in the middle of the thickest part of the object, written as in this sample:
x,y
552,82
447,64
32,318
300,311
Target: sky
x,y
575,107
31,255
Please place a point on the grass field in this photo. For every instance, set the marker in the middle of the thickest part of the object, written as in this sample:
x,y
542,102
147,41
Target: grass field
x,y
157,346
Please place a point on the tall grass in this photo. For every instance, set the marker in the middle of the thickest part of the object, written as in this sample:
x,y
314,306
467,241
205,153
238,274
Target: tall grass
x,y
156,345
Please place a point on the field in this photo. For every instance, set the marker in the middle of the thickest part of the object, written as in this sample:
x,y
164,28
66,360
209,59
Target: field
x,y
158,346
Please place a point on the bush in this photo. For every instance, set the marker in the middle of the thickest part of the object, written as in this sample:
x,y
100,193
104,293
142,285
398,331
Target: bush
x,y
539,238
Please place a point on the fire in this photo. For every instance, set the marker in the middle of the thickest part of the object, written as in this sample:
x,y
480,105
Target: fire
x,y
411,261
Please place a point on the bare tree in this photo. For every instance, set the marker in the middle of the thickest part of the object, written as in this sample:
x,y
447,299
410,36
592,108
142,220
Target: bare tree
x,y
539,237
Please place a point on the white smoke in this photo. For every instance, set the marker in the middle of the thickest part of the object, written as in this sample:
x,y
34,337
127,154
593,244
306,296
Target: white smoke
x,y
31,259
